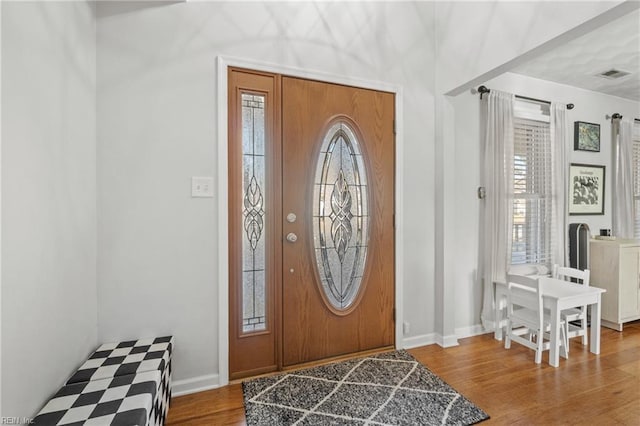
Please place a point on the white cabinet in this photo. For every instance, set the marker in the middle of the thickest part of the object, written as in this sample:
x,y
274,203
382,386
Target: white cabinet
x,y
615,266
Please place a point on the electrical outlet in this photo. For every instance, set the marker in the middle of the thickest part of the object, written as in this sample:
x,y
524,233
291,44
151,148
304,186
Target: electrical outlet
x,y
406,328
201,186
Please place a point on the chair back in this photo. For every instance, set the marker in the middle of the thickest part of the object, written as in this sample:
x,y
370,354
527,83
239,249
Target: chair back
x,y
571,274
524,292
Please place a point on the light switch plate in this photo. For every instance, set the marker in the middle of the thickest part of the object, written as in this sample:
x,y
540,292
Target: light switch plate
x,y
202,186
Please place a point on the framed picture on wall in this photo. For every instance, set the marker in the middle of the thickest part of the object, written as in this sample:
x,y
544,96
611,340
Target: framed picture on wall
x,y
586,189
586,136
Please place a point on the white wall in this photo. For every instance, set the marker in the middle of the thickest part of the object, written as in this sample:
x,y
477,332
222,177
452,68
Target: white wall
x,y
157,127
49,321
589,106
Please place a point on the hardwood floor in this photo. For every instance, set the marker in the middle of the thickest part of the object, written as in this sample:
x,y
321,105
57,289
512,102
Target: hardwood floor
x,y
595,389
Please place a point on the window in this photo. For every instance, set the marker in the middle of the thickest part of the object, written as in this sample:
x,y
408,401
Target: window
x,y
636,178
341,213
532,186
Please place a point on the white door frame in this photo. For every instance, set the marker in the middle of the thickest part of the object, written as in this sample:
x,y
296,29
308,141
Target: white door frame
x,y
224,62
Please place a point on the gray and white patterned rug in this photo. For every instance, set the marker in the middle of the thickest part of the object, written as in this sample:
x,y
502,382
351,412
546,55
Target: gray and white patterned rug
x,y
386,389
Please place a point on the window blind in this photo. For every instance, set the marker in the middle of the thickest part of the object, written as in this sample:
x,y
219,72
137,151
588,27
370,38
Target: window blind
x,y
636,179
532,193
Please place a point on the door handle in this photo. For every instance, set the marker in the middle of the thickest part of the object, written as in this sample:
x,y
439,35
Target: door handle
x,y
291,237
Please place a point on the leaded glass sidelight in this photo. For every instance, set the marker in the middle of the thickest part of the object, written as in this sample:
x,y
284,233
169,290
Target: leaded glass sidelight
x,y
253,213
340,216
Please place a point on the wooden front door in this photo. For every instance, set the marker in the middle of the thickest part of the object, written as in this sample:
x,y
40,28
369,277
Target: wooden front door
x,y
311,226
338,252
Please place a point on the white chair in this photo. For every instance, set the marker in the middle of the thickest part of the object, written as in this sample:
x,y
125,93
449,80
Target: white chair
x,y
527,322
574,314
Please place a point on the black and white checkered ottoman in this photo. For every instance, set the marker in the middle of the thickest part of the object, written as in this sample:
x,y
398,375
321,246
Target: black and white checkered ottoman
x,y
122,358
122,400
133,357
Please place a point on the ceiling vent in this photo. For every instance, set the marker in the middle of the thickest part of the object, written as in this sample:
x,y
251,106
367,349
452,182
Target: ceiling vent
x,y
612,74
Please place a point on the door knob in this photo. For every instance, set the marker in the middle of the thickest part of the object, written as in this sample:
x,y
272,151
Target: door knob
x,y
291,237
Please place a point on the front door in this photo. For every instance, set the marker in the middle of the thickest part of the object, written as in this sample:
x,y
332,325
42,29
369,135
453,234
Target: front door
x,y
338,253
311,184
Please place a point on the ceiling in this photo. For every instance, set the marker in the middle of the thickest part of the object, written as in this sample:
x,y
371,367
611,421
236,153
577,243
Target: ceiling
x,y
615,45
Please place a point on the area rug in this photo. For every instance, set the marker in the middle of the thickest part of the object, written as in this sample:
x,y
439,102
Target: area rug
x,y
386,389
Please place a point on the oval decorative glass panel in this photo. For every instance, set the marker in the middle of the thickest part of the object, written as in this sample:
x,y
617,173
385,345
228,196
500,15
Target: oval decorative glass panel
x,y
340,216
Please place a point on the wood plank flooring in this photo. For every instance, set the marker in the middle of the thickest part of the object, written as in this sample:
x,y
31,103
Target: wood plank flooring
x,y
586,389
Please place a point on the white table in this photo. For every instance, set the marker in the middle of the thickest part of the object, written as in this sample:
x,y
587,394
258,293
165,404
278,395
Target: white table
x,y
556,299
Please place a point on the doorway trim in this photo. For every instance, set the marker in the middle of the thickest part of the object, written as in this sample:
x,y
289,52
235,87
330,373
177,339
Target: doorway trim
x,y
223,64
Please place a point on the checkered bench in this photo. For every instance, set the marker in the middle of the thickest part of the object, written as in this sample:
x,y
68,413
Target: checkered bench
x,y
122,358
123,400
115,362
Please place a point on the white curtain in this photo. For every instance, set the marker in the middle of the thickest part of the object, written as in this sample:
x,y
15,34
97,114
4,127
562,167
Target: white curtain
x,y
623,215
559,130
498,181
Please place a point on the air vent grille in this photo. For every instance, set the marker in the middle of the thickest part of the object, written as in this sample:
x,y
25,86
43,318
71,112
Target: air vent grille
x,y
613,74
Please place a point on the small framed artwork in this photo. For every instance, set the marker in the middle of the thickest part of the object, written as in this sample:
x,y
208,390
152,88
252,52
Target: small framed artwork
x,y
586,189
586,136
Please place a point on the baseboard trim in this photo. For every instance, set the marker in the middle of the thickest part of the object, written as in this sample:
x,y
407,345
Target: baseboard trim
x,y
421,340
448,341
612,325
430,339
195,384
445,341
474,330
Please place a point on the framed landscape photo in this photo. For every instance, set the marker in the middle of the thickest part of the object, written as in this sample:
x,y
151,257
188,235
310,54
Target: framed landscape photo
x,y
586,189
586,136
